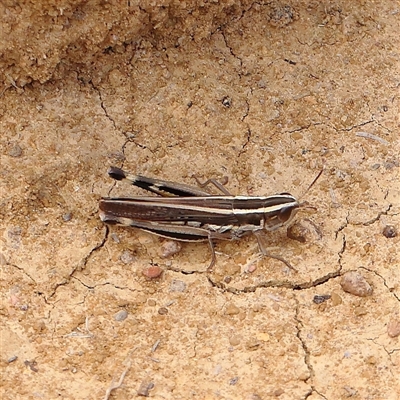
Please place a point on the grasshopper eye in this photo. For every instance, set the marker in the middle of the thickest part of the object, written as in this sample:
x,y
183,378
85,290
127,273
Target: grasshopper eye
x,y
286,214
280,218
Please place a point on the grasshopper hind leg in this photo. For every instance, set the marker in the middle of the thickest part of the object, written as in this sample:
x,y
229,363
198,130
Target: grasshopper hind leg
x,y
217,184
261,244
213,257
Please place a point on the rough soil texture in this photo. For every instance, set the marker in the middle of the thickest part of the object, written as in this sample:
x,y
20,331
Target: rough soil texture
x,y
265,93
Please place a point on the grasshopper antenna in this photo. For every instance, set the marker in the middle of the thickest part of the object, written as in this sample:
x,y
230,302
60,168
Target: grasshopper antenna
x,y
313,182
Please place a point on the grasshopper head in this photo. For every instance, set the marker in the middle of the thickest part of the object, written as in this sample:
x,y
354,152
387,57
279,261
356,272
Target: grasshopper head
x,y
280,210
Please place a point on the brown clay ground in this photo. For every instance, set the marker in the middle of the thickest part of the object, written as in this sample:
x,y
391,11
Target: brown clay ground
x,y
264,93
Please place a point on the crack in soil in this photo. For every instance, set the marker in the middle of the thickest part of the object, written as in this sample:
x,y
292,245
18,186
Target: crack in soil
x,y
276,283
246,113
221,30
391,290
352,127
22,270
284,283
377,218
98,91
82,264
365,223
343,226
128,135
248,138
307,355
91,287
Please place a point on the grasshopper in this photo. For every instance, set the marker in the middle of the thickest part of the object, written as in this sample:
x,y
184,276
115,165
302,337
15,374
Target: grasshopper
x,y
188,213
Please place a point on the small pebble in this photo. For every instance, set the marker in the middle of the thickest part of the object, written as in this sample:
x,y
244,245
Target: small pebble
x,y
115,237
371,360
118,156
170,248
235,340
233,381
393,328
177,286
263,336
349,391
127,257
390,164
261,84
12,359
278,392
227,101
336,299
355,283
15,151
121,315
163,311
144,389
253,396
251,268
360,311
231,309
152,272
320,298
67,217
3,260
32,365
253,344
389,231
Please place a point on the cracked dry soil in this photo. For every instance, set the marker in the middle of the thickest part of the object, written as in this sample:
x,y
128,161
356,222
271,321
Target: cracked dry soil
x,y
264,93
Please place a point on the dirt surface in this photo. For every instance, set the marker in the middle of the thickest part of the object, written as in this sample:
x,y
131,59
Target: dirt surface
x,y
265,93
